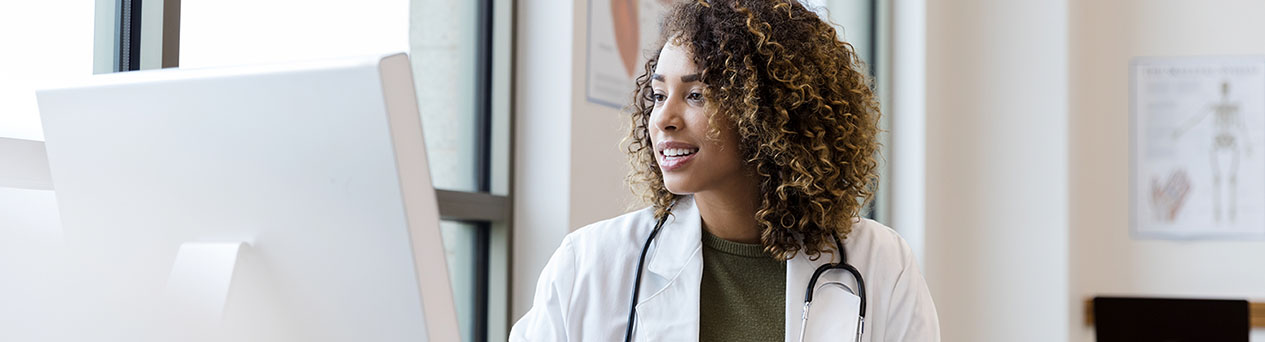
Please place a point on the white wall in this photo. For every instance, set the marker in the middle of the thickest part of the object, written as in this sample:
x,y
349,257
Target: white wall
x,y
541,118
1027,162
1105,35
569,170
996,186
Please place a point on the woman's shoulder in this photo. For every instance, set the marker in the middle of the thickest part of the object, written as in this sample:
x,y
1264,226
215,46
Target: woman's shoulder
x,y
878,243
897,291
614,235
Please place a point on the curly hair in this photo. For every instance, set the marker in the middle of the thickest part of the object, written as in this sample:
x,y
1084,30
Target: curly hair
x,y
805,116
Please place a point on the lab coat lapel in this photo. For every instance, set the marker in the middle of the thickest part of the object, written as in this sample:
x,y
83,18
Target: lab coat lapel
x,y
668,307
834,313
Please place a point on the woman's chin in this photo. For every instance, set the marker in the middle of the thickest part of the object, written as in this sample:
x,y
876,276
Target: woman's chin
x,y
677,188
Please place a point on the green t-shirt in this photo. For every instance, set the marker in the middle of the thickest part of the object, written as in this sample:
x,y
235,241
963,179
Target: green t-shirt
x,y
743,293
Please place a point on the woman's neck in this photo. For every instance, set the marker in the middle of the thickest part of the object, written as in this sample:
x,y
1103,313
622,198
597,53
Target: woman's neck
x,y
729,212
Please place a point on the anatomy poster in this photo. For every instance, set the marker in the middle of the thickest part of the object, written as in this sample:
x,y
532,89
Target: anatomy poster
x,y
1198,147
621,33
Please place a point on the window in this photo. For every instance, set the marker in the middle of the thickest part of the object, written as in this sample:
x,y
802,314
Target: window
x,y
460,52
862,23
45,41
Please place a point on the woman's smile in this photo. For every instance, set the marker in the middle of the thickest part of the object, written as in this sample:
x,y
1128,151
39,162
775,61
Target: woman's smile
x,y
674,155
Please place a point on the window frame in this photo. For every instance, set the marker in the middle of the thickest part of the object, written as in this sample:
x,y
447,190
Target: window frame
x,y
129,36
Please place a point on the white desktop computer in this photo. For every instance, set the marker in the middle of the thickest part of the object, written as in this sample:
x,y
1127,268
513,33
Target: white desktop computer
x,y
265,203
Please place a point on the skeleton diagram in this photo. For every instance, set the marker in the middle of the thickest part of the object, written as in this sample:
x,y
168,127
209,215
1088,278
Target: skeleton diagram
x,y
1231,134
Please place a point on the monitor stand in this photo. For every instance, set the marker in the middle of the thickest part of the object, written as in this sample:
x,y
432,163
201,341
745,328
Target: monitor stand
x,y
197,289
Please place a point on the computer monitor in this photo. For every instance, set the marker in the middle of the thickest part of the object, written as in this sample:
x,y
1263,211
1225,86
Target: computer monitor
x,y
264,203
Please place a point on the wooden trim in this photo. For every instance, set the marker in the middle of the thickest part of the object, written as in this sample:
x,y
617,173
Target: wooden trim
x,y
171,34
1255,311
1089,312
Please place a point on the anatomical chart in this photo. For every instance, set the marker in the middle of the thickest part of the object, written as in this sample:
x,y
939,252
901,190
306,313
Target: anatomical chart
x,y
1198,149
621,34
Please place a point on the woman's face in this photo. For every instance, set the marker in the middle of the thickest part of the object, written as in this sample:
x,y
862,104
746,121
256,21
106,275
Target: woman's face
x,y
691,162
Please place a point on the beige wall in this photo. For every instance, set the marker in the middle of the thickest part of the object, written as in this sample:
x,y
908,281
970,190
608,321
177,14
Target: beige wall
x,y
1105,35
598,163
996,186
1027,162
1026,157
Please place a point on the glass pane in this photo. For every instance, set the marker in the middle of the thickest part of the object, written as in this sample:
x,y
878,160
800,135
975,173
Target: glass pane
x,y
460,246
502,70
235,32
441,38
498,279
444,44
44,42
854,20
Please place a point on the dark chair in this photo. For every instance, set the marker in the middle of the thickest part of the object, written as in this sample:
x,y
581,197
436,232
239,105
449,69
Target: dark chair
x,y
1170,320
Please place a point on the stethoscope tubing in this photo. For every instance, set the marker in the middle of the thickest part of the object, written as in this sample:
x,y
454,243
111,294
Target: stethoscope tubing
x,y
808,293
843,263
632,310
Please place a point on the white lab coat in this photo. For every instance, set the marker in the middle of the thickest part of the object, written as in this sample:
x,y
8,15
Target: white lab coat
x,y
584,291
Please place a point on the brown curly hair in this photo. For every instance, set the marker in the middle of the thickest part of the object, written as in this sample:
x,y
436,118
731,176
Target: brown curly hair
x,y
806,118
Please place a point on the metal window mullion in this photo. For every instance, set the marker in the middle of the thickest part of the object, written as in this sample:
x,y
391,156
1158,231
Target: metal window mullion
x,y
145,36
874,44
483,93
508,233
482,256
129,39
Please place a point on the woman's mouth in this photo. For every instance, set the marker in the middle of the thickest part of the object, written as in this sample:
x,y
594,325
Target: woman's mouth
x,y
674,155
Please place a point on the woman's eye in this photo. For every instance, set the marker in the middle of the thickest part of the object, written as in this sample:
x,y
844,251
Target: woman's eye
x,y
657,97
695,96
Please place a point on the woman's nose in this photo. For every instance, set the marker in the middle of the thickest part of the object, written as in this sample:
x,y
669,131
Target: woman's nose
x,y
669,118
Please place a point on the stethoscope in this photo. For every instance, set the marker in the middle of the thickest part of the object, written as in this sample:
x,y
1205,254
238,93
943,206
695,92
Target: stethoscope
x,y
808,293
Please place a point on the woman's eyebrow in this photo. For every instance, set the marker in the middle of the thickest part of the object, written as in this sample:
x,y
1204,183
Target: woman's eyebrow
x,y
687,78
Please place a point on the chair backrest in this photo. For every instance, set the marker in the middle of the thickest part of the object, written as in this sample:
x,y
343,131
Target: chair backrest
x,y
1170,320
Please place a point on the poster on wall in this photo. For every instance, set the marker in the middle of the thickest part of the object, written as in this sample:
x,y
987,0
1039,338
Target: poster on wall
x,y
1198,147
621,33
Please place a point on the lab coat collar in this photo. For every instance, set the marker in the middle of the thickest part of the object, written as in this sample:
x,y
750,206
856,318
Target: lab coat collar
x,y
798,270
679,240
668,308
676,258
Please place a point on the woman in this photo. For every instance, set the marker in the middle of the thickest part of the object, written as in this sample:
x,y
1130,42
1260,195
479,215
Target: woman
x,y
754,136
